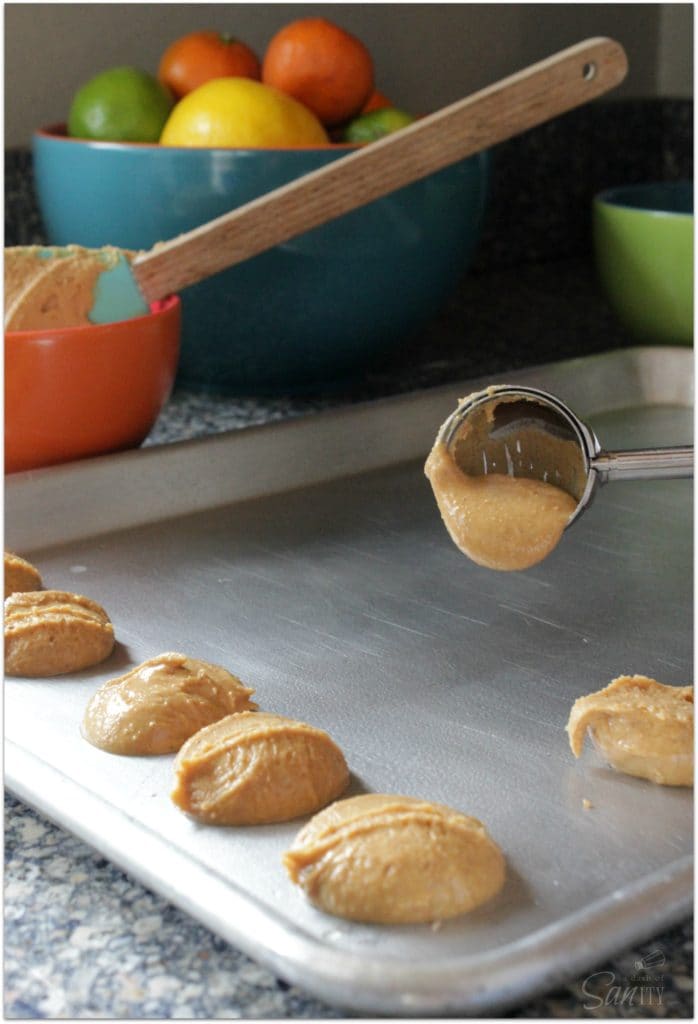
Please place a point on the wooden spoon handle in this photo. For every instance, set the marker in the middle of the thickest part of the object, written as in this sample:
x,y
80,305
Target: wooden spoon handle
x,y
513,105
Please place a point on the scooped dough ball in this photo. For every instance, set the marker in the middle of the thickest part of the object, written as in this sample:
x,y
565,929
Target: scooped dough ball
x,y
395,860
20,575
51,632
253,769
158,705
641,727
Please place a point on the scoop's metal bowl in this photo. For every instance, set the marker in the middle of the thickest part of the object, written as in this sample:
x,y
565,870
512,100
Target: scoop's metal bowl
x,y
526,432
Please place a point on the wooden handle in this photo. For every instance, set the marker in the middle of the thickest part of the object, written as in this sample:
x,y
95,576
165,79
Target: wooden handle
x,y
561,82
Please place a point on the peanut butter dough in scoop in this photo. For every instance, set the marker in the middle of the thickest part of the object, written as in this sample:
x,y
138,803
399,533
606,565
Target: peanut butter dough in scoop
x,y
52,286
499,521
641,727
158,705
395,860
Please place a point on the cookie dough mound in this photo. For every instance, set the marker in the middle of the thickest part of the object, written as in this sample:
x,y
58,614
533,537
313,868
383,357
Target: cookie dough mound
x,y
257,768
50,632
158,705
641,727
395,860
20,575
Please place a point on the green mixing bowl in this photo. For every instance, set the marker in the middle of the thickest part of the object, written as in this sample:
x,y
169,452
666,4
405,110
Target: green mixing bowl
x,y
643,241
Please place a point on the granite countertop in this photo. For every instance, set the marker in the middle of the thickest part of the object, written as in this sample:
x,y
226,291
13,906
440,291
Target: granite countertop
x,y
82,939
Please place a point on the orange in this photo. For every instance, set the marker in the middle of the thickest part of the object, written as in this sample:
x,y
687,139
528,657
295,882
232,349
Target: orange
x,y
376,101
120,105
238,112
322,66
199,56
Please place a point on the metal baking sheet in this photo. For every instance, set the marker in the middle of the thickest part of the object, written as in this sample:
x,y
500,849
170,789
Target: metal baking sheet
x,y
309,558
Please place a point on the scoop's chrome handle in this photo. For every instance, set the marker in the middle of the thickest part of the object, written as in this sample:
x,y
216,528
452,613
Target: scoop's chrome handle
x,y
645,464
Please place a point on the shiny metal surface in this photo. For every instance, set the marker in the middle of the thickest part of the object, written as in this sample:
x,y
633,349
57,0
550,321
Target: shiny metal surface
x,y
523,431
344,603
674,463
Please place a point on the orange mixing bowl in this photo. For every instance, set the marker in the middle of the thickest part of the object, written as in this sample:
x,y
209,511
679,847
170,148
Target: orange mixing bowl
x,y
71,392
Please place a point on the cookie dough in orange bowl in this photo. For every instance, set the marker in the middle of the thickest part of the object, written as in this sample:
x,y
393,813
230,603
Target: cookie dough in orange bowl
x,y
75,389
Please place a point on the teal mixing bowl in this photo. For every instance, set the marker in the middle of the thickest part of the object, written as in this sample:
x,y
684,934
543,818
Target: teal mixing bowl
x,y
312,313
643,240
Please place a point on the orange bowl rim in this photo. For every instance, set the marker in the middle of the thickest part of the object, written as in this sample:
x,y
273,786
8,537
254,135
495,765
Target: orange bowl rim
x,y
166,306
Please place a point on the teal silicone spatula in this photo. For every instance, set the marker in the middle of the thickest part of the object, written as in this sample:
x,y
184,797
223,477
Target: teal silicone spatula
x,y
530,97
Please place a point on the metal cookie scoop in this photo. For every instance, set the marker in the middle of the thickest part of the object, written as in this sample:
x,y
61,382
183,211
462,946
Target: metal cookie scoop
x,y
525,432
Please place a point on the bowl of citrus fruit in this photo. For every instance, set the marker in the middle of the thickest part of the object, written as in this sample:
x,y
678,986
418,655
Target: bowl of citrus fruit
x,y
145,157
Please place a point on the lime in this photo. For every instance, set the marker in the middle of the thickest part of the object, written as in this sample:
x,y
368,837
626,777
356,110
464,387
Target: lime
x,y
120,105
239,112
376,124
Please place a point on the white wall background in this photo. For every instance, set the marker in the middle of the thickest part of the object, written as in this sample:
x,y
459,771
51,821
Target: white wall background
x,y
425,55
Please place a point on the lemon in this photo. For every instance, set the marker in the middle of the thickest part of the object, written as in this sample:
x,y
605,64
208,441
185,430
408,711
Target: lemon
x,y
120,105
242,113
376,124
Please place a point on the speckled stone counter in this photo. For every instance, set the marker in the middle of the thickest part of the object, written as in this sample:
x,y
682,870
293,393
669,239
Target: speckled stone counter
x,y
83,940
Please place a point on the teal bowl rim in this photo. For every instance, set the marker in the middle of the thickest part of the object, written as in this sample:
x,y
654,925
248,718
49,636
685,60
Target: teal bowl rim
x,y
58,133
621,196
